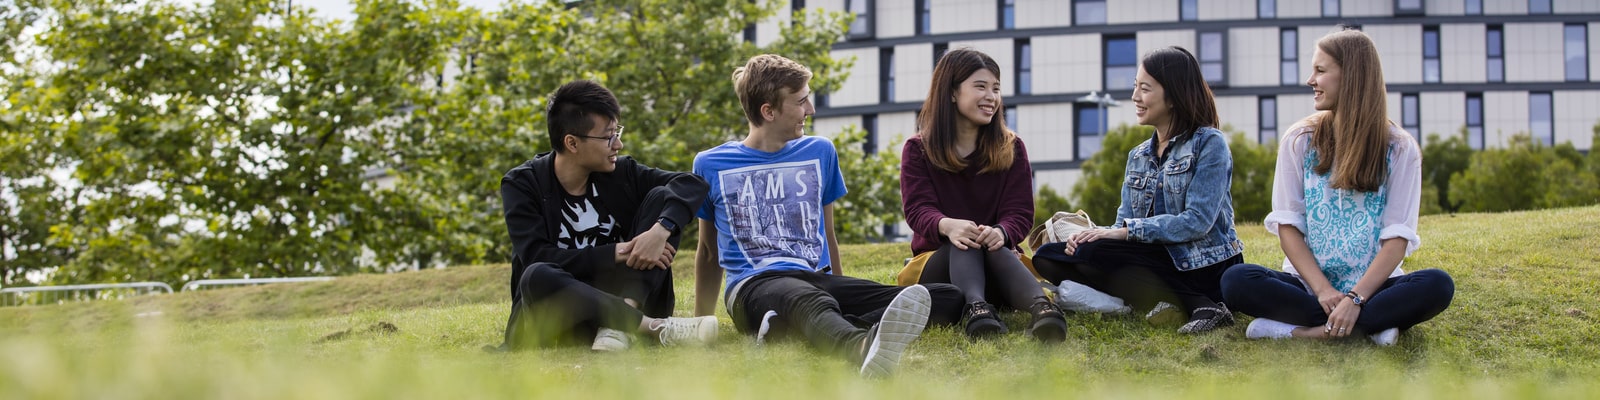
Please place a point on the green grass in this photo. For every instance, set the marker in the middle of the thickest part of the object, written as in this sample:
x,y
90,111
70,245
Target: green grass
x,y
1523,324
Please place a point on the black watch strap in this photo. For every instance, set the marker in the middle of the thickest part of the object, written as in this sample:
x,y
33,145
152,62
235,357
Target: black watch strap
x,y
667,223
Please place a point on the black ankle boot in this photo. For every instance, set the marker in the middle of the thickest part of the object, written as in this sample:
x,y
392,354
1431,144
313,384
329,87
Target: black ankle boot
x,y
1049,323
982,320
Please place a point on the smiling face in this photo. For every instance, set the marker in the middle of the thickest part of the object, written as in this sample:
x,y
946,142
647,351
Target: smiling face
x,y
1324,82
978,98
789,118
1150,101
595,150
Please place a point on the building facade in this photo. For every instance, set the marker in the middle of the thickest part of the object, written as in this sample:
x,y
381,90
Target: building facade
x,y
1495,68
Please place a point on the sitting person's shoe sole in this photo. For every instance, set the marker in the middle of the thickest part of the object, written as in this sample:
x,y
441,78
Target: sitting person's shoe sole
x,y
902,323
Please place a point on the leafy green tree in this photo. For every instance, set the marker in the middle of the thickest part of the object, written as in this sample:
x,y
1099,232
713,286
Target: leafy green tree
x,y
1047,203
1254,166
874,184
1099,191
1442,158
1525,175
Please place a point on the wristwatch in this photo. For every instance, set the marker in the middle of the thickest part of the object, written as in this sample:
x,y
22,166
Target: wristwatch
x,y
1356,298
672,227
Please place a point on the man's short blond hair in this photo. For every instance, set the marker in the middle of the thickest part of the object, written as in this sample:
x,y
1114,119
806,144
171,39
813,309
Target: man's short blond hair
x,y
762,80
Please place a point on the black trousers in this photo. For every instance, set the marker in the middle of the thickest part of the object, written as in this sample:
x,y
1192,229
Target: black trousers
x,y
830,312
1402,301
555,305
1142,274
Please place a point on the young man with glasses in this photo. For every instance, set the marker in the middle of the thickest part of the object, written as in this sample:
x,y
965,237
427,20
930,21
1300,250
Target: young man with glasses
x,y
594,234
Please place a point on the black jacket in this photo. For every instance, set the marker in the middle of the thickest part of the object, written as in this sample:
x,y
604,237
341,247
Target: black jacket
x,y
531,196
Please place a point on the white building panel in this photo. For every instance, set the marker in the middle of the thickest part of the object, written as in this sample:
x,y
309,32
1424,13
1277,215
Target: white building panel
x,y
830,127
1252,57
895,18
1400,51
1122,114
1136,11
826,5
1047,130
1366,8
1576,115
1534,52
913,65
1292,108
1043,13
1309,35
1463,53
1445,7
1443,113
1574,6
1505,7
1299,8
1505,114
1214,10
951,16
862,86
1148,41
894,129
1066,64
1239,114
1059,181
1003,51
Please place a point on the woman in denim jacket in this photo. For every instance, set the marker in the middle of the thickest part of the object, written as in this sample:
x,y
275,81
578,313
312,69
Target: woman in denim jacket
x,y
1174,235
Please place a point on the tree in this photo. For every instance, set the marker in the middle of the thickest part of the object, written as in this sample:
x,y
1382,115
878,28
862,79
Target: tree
x,y
1525,175
1441,159
1254,166
1099,191
874,183
1047,203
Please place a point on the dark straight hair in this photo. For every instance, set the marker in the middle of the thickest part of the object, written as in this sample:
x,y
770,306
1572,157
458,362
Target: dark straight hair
x,y
1178,72
937,123
570,108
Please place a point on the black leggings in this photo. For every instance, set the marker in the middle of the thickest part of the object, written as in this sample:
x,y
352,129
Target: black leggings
x,y
976,271
1140,273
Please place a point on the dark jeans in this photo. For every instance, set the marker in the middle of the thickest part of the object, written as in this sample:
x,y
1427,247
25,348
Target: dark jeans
x,y
831,312
977,272
1402,301
555,305
1143,274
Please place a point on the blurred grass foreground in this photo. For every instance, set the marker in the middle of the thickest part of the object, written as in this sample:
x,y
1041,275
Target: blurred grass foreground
x,y
1523,325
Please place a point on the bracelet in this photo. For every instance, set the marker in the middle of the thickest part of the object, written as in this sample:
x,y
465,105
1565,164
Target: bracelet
x,y
1356,298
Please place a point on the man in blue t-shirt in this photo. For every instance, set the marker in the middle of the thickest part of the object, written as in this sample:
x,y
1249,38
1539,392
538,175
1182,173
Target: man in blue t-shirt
x,y
768,222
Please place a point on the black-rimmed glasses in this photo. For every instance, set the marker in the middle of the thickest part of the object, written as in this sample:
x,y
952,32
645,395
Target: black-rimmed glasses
x,y
616,137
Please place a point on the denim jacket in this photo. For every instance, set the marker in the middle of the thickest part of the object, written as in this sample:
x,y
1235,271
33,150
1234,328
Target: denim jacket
x,y
1197,229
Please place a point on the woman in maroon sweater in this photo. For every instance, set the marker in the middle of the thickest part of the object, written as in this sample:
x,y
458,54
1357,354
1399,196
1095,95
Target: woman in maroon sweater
x,y
967,192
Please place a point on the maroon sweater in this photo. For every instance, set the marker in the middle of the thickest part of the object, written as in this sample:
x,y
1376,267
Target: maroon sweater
x,y
929,194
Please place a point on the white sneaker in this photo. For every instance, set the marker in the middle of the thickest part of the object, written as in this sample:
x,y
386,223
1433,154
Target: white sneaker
x,y
1262,328
902,322
610,340
1386,338
696,331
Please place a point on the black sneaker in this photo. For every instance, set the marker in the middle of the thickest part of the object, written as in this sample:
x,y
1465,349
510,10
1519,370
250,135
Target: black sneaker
x,y
982,320
1205,319
1049,324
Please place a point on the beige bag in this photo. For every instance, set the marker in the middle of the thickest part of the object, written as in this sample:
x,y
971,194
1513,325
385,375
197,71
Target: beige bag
x,y
1059,228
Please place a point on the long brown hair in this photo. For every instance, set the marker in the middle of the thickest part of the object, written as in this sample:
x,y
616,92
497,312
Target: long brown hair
x,y
1186,90
1352,139
937,122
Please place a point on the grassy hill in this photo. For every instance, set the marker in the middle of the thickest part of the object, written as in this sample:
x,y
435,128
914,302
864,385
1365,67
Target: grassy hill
x,y
1523,324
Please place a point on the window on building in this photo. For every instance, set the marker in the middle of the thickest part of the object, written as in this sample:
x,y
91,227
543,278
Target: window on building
x,y
1330,8
1089,12
1408,7
821,100
1541,121
796,7
861,28
1474,7
1011,117
869,123
1122,62
938,52
1008,14
1411,115
1213,58
1266,8
1538,6
924,17
1475,121
886,73
1024,67
1577,49
1496,69
1289,65
1189,10
1430,54
1091,130
750,33
1268,107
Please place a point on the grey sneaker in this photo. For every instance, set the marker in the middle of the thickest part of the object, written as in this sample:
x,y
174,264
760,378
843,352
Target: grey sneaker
x,y
610,340
902,322
696,331
1262,328
1386,338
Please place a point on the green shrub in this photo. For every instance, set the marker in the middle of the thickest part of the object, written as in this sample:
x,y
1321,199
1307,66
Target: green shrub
x,y
1254,165
1047,202
1099,191
1441,159
1525,175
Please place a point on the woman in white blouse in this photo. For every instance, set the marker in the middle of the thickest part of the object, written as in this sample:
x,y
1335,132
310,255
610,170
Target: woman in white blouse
x,y
1344,206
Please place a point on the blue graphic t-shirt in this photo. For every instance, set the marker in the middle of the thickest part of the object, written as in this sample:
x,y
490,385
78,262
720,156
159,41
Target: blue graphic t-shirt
x,y
768,206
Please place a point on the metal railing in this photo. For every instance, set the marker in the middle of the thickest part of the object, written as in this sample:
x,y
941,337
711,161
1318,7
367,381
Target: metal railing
x,y
214,283
40,295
